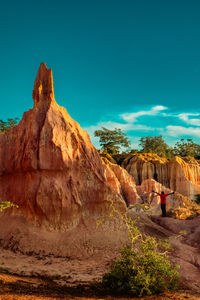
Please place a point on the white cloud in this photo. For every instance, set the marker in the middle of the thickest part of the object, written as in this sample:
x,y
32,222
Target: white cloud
x,y
193,121
132,117
182,131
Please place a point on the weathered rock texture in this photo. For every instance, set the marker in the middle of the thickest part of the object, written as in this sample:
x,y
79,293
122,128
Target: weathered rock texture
x,y
178,206
179,175
121,182
49,167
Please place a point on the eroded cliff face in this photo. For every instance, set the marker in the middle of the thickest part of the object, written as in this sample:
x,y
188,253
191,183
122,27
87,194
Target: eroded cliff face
x,y
121,182
49,167
184,176
140,198
178,206
176,174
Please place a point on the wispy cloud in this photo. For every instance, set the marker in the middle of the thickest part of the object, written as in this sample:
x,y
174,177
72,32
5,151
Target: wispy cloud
x,y
132,117
178,131
191,121
129,119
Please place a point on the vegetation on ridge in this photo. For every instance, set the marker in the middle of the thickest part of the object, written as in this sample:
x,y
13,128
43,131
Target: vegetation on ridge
x,y
6,125
112,140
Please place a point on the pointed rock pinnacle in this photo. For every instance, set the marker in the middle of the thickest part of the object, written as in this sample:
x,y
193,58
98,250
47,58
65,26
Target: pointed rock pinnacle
x,y
43,91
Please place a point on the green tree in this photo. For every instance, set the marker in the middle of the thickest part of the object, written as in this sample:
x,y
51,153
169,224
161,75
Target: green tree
x,y
187,148
112,140
6,125
155,144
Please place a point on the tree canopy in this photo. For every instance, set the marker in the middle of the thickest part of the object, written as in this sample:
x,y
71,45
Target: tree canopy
x,y
187,148
112,140
5,125
154,144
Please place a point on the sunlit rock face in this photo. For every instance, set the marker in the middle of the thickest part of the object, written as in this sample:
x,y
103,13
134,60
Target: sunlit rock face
x,y
49,167
178,206
184,176
179,175
121,182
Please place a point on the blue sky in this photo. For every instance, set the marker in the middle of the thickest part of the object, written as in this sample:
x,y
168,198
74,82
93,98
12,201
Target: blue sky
x,y
130,64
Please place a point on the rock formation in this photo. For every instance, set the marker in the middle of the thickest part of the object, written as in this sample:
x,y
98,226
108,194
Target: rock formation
x,y
49,168
179,175
178,206
121,182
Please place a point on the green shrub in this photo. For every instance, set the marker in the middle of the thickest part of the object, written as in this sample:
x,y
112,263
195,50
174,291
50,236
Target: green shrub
x,y
143,268
6,204
6,125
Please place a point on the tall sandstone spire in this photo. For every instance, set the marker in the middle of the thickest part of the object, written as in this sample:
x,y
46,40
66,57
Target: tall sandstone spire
x,y
49,167
43,91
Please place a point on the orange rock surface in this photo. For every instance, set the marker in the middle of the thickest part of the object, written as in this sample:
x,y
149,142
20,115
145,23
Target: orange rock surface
x,y
177,205
121,182
49,167
176,174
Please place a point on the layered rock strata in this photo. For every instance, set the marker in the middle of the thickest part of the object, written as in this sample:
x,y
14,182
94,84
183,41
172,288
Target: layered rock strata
x,y
176,174
141,197
178,206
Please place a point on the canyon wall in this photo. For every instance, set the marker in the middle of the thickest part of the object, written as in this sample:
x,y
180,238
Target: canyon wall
x,y
179,175
178,206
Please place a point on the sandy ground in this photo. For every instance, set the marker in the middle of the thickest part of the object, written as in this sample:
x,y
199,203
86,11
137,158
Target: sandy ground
x,y
14,287
62,270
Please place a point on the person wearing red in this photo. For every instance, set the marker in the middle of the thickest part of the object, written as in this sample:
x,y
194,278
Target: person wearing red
x,y
163,198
